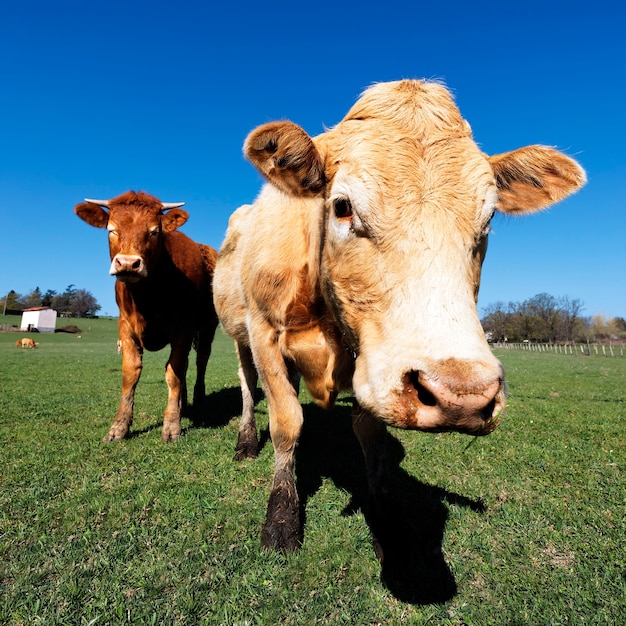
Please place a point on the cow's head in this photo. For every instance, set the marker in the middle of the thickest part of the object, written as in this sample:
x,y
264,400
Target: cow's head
x,y
136,222
408,198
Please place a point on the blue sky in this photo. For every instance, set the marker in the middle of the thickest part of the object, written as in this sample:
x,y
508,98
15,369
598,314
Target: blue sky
x,y
100,97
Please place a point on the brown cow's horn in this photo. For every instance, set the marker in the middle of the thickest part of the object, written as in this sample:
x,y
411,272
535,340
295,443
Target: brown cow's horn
x,y
171,205
99,202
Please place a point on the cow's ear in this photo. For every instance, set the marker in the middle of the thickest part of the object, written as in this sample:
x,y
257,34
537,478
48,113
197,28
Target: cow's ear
x,y
93,214
533,178
287,157
173,219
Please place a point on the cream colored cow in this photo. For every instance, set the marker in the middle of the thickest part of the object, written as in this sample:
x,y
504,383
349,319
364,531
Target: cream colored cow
x,y
359,265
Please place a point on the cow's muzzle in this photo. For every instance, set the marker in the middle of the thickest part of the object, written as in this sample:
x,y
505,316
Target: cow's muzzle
x,y
445,402
128,268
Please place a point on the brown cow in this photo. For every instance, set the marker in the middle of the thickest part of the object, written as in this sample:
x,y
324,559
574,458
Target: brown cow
x,y
360,263
163,290
26,342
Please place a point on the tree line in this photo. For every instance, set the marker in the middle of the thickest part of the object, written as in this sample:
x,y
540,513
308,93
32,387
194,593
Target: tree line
x,y
546,319
72,302
542,318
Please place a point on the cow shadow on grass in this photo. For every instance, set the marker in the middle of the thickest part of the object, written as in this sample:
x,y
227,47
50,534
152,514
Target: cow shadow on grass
x,y
216,409
407,523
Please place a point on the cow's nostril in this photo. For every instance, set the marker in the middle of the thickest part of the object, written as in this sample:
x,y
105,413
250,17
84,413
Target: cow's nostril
x,y
136,264
488,411
425,396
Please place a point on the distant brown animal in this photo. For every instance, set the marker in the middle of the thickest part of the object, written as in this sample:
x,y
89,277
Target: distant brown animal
x,y
164,293
359,264
26,342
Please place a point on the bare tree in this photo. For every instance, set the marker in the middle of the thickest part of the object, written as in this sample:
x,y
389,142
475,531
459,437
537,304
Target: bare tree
x,y
544,309
540,318
570,311
495,321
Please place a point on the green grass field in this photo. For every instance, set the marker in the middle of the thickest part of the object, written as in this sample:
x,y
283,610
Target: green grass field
x,y
526,526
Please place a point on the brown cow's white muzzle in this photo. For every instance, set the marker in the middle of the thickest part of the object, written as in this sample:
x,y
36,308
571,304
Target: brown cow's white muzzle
x,y
451,401
128,268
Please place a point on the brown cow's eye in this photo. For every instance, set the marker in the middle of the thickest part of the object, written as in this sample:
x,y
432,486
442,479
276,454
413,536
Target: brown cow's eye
x,y
342,208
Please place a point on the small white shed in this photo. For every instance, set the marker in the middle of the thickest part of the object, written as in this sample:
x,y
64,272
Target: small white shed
x,y
42,318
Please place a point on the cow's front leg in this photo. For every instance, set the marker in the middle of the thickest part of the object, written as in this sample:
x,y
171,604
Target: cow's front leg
x,y
203,352
282,529
132,356
175,376
247,440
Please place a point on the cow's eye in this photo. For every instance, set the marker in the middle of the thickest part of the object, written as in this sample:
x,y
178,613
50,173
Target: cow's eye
x,y
154,232
342,208
112,233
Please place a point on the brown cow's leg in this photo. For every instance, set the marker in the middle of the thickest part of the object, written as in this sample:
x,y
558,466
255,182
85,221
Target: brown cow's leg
x,y
282,528
203,352
131,371
175,376
247,441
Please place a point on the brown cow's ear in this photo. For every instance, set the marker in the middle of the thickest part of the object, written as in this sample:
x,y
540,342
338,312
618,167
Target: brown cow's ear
x,y
93,214
533,178
287,157
173,219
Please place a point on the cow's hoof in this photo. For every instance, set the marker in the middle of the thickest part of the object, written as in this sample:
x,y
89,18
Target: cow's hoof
x,y
167,437
282,538
114,437
282,529
247,446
